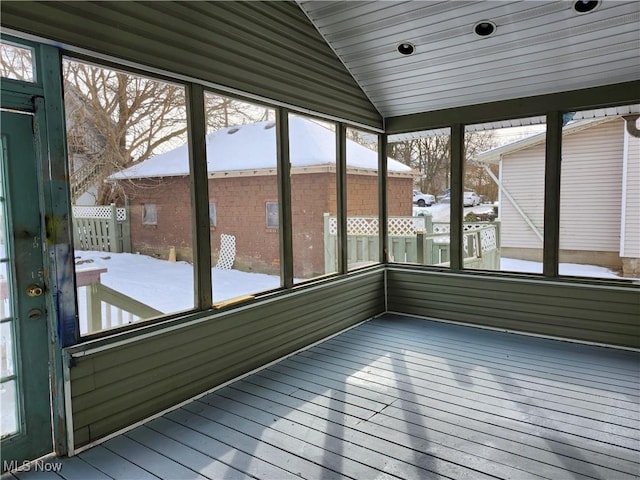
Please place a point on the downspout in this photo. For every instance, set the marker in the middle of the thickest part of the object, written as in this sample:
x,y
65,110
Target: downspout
x,y
503,191
623,209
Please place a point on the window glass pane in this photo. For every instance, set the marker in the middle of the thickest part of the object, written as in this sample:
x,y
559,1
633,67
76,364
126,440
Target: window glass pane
x,y
600,194
16,63
418,197
272,215
131,194
243,184
9,418
313,197
9,401
363,244
149,214
7,368
503,198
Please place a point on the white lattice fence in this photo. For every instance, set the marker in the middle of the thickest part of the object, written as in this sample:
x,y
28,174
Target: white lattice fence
x,y
414,240
98,211
369,226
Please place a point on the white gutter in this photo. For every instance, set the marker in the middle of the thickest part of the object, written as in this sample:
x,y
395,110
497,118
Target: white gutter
x,y
513,202
623,209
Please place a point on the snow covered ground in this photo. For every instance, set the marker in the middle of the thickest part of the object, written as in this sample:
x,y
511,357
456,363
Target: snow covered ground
x,y
168,286
568,269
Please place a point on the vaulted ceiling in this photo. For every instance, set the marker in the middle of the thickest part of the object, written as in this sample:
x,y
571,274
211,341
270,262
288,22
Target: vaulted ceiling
x,y
538,47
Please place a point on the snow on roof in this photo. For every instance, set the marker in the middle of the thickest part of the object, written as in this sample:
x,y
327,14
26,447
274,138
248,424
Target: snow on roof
x,y
253,147
494,155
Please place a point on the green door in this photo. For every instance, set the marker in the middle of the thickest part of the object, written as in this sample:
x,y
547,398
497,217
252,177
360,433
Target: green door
x,y
24,348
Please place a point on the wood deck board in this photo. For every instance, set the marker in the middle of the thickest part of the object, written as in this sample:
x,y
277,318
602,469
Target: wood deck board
x,y
437,354
508,356
399,398
482,382
445,434
562,421
457,419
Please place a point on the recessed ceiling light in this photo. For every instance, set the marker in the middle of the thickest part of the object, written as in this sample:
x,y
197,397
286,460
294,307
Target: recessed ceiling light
x,y
484,28
406,48
585,6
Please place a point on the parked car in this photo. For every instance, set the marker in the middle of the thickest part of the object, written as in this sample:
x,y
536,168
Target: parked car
x,y
423,199
471,199
444,196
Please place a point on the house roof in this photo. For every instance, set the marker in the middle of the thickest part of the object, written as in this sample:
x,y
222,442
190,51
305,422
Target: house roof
x,y
252,148
494,155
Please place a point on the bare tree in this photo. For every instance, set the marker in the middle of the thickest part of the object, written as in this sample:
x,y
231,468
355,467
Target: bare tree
x,y
116,120
131,118
431,157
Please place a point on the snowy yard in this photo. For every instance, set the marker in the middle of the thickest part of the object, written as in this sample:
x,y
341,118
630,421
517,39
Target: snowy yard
x,y
168,286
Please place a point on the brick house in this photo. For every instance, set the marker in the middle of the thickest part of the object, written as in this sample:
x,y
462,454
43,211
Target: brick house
x,y
243,196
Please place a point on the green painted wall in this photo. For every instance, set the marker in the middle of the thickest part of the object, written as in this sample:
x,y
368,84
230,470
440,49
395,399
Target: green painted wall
x,y
268,49
593,313
123,384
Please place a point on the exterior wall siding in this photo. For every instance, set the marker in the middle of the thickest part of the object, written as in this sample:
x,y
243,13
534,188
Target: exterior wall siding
x,y
591,189
114,388
523,178
590,199
267,49
593,313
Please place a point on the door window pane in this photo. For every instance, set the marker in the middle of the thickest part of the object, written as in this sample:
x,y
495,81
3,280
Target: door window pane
x,y
313,197
418,197
9,418
503,198
130,189
600,194
16,62
243,184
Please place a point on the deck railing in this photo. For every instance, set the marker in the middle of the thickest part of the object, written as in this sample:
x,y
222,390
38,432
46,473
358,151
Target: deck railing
x,y
101,307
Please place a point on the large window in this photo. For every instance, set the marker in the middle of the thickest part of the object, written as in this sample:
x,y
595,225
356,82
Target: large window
x,y
131,196
312,151
243,184
418,197
600,194
363,245
503,195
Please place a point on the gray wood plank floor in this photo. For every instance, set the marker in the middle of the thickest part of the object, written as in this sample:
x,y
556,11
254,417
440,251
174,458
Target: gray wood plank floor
x,y
399,397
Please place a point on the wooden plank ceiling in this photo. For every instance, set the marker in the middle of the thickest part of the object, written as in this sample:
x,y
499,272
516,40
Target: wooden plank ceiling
x,y
538,48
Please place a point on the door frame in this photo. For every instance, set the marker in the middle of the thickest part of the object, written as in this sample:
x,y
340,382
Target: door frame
x,y
46,95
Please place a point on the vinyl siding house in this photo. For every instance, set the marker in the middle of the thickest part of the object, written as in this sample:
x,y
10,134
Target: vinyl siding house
x,y
599,195
383,370
243,193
